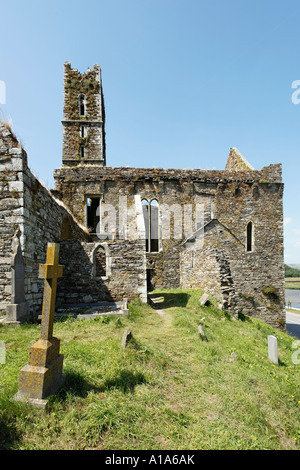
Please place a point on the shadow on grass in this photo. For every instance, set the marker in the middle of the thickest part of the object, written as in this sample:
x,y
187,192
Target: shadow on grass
x,y
9,436
126,381
167,300
75,384
11,413
243,317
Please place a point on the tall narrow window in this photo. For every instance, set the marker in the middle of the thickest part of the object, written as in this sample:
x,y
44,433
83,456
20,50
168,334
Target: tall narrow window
x,y
82,133
151,218
81,151
249,236
145,206
92,220
154,225
81,105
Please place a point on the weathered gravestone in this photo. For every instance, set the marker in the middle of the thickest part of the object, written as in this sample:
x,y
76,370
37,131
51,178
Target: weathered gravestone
x,y
43,375
204,299
125,306
127,335
201,331
18,310
2,352
272,349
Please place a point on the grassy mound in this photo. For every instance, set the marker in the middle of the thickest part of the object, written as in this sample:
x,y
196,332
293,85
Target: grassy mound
x,y
168,389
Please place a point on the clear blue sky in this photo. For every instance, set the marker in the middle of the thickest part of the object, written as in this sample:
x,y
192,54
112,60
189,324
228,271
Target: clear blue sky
x,y
184,81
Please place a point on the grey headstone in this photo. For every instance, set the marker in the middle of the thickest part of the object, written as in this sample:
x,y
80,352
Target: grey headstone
x,y
204,299
201,332
2,352
18,277
125,306
126,338
18,310
272,349
233,357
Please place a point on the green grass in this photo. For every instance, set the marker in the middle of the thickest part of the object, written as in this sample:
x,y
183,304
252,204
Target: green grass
x,y
167,390
293,310
292,282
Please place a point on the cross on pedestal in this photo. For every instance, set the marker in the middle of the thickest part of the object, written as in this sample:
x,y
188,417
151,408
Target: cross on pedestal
x,y
50,271
43,375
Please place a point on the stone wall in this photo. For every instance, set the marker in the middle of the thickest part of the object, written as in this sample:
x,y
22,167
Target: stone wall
x,y
12,159
173,189
200,270
249,282
235,196
122,272
46,220
27,207
174,186
125,273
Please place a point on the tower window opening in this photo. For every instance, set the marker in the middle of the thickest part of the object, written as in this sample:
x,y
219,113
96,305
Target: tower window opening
x,y
81,105
249,236
82,132
81,150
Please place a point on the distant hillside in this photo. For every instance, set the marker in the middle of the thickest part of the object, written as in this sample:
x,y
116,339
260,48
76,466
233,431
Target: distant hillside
x,y
291,271
297,266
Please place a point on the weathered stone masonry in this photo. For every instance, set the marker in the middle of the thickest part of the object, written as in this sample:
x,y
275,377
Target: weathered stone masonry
x,y
126,277
83,117
247,281
234,251
27,208
232,198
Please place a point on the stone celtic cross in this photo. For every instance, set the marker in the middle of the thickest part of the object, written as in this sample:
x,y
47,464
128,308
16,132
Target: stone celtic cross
x,y
43,375
50,271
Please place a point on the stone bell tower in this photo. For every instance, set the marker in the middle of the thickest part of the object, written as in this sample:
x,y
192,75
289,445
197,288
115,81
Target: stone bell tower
x,y
83,118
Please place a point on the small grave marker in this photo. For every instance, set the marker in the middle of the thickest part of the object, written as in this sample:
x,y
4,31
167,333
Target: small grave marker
x,y
272,349
201,331
18,310
204,299
126,338
125,306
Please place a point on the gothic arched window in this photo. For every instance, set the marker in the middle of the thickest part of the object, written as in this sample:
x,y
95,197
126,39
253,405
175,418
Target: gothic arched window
x,y
101,261
154,225
151,218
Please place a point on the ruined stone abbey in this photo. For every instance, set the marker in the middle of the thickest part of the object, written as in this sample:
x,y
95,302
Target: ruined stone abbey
x,y
125,231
